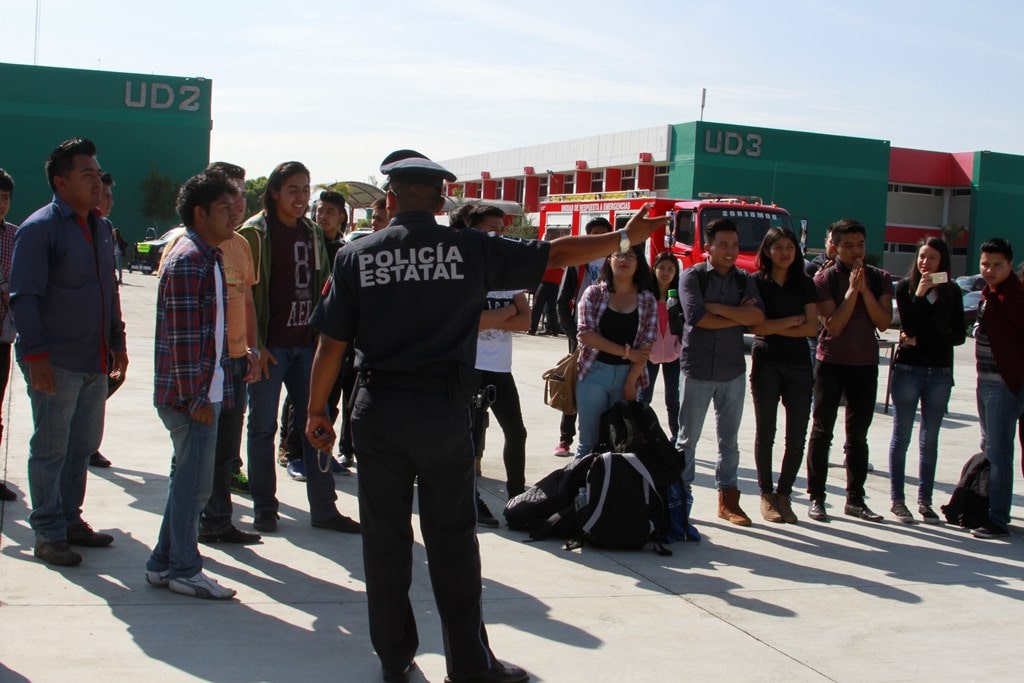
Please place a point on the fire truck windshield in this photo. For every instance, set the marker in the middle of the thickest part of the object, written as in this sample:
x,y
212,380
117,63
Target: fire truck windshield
x,y
751,224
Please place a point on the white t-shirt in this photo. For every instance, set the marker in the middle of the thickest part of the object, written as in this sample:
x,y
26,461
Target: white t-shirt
x,y
216,394
493,346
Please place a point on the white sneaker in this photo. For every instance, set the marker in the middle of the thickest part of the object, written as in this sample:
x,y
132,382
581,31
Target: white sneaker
x,y
201,586
159,579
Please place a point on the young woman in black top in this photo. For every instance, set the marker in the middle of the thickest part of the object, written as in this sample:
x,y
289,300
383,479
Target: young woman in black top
x,y
780,368
932,321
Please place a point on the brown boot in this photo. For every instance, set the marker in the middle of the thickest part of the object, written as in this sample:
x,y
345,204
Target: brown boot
x,y
769,508
729,507
785,507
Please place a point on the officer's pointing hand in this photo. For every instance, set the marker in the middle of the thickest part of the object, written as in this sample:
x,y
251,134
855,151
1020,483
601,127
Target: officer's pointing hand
x,y
640,226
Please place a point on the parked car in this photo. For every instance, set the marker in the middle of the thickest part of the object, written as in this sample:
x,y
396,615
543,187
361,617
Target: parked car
x,y
971,302
145,256
356,234
971,283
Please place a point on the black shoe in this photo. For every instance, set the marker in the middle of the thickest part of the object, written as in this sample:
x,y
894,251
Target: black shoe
x,y
347,460
399,675
338,522
483,515
990,529
232,535
265,521
58,553
97,460
240,482
7,494
82,534
857,508
928,515
817,511
500,672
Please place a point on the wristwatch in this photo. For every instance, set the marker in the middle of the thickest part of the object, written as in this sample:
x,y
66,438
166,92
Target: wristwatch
x,y
254,351
623,241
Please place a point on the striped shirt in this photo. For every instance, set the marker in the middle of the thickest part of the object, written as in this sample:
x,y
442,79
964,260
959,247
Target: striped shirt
x,y
592,306
186,327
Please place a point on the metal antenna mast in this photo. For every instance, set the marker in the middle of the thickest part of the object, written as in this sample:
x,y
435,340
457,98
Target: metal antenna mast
x,y
35,52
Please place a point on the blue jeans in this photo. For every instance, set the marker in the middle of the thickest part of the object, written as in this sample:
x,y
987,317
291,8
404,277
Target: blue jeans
x,y
931,388
671,373
728,401
596,393
291,371
67,429
189,485
216,517
998,409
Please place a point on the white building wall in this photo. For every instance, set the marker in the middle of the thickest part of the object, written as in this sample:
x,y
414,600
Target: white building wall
x,y
599,151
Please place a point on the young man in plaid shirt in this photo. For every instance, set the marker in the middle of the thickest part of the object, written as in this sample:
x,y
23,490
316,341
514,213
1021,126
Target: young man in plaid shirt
x,y
190,370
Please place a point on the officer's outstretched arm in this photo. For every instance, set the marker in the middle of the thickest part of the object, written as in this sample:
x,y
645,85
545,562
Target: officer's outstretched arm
x,y
326,366
580,249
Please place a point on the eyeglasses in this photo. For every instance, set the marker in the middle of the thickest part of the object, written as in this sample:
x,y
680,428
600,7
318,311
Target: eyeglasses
x,y
628,256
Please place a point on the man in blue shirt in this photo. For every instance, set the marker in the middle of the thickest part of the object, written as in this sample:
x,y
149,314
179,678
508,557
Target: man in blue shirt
x,y
68,313
719,301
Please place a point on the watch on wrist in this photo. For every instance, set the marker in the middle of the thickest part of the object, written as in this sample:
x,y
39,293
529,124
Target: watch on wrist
x,y
255,352
623,241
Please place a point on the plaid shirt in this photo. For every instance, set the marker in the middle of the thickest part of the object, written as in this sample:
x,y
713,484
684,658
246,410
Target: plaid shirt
x,y
6,251
186,314
592,306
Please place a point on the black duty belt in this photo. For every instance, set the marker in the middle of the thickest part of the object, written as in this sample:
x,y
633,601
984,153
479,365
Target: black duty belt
x,y
386,379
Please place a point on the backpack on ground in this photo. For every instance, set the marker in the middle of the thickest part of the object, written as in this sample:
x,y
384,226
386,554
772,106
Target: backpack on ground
x,y
547,508
968,507
620,507
633,427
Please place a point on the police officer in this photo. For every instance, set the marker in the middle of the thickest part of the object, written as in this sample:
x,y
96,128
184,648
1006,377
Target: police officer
x,y
409,299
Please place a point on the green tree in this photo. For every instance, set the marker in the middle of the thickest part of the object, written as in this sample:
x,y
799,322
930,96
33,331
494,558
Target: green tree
x,y
522,227
254,188
159,198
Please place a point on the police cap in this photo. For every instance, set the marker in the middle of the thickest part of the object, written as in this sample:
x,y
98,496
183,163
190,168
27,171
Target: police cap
x,y
408,166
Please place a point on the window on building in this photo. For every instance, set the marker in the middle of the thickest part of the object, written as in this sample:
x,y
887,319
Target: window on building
x,y
661,177
497,190
570,183
520,195
597,181
542,187
628,179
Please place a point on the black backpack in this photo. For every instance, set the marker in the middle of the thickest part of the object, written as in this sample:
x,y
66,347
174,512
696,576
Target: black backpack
x,y
619,508
607,500
968,507
633,427
547,509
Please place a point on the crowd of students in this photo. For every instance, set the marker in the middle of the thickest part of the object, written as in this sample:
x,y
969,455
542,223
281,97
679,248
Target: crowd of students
x,y
239,317
631,329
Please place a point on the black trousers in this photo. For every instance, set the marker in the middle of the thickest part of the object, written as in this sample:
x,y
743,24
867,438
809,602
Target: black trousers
x,y
5,375
509,413
860,384
770,383
567,428
544,302
407,437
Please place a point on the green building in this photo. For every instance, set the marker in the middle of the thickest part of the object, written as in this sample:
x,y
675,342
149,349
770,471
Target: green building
x,y
900,195
145,127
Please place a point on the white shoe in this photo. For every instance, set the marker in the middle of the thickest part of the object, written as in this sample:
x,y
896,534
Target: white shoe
x,y
201,586
158,579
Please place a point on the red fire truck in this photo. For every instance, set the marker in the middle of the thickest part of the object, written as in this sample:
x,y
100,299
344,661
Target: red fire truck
x,y
567,214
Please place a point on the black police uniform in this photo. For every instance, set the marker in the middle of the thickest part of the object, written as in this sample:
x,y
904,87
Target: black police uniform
x,y
409,299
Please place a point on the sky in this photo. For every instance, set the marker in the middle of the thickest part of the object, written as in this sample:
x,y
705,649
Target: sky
x,y
338,85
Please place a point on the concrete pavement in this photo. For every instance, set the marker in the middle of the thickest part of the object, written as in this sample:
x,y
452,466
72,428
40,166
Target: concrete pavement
x,y
844,601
